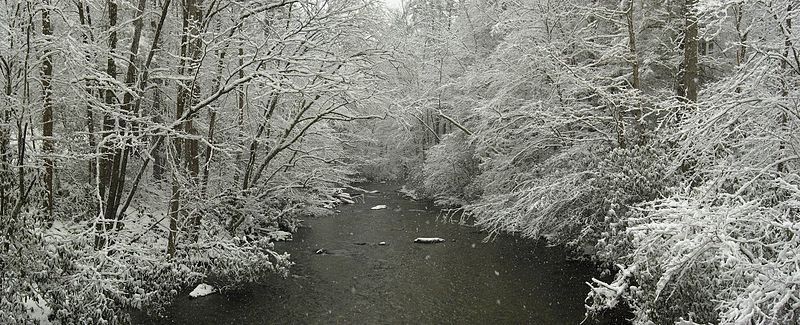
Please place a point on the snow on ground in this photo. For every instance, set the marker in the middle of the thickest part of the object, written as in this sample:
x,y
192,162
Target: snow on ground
x,y
202,290
38,310
280,235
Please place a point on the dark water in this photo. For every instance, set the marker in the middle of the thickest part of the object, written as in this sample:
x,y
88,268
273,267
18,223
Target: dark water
x,y
461,281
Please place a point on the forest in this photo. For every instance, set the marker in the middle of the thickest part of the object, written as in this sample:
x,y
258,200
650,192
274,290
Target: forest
x,y
147,145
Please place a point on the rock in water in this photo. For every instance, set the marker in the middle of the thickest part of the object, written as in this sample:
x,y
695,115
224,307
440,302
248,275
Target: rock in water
x,y
202,290
431,240
378,207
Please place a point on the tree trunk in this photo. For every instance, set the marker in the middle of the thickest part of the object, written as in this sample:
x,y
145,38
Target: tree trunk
x,y
212,117
116,162
121,156
635,79
6,174
158,152
109,96
786,30
741,50
189,62
22,128
106,162
47,113
195,17
690,55
174,206
86,22
240,102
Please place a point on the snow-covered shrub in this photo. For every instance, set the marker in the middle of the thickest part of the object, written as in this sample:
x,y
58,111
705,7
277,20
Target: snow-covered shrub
x,y
25,261
625,178
59,267
724,248
253,214
77,200
732,262
243,212
81,285
576,196
385,151
449,169
536,198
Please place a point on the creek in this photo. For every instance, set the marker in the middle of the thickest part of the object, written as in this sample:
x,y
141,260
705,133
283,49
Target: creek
x,y
463,280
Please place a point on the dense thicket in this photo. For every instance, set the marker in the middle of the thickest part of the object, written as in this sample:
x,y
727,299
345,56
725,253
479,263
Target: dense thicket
x,y
147,145
655,136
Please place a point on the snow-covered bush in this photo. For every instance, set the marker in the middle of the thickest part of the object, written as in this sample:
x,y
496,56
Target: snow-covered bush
x,y
25,261
537,199
625,178
61,269
385,151
724,248
576,197
449,170
733,262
